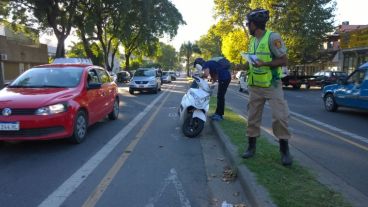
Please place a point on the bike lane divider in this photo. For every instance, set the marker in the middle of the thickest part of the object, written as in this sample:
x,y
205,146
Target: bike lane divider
x,y
57,197
109,177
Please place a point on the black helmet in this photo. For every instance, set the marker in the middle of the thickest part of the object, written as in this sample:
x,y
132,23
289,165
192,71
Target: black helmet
x,y
199,61
260,16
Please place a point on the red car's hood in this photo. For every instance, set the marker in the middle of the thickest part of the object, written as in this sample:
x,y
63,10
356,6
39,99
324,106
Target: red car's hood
x,y
34,97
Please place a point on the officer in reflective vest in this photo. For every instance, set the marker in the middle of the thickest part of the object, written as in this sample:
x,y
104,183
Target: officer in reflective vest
x,y
266,55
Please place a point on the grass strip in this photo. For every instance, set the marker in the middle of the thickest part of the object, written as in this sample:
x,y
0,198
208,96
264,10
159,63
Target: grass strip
x,y
291,186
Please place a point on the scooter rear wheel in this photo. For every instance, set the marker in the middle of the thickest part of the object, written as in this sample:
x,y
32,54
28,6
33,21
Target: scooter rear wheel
x,y
192,127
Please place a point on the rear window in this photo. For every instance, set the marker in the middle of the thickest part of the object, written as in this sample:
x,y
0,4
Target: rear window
x,y
145,73
67,77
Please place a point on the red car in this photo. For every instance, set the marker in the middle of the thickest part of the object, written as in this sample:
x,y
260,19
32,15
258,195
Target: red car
x,y
56,101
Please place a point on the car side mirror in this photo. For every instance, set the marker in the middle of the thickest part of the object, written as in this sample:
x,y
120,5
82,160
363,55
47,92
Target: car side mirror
x,y
94,86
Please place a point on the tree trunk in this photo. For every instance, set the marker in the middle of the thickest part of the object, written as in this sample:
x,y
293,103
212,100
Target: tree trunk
x,y
127,57
60,50
187,65
87,46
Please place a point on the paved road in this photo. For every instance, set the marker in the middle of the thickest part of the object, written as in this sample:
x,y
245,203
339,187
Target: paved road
x,y
141,159
336,141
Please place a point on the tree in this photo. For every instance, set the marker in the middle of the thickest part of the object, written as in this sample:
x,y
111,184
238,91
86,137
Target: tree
x,y
166,56
4,9
233,44
55,14
78,50
210,44
233,11
146,23
302,24
187,50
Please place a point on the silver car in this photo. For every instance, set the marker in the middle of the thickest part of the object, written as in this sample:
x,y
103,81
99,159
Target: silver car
x,y
145,79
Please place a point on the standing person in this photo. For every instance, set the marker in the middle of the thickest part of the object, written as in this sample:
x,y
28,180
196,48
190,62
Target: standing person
x,y
218,70
265,84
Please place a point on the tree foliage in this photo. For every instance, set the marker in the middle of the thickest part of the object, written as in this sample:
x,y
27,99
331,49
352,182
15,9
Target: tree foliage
x,y
166,56
186,51
210,44
303,24
146,23
55,14
233,44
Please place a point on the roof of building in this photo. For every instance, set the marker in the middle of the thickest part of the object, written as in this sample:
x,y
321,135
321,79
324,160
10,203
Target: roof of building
x,y
349,28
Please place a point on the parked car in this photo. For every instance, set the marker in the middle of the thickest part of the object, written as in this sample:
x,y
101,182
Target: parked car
x,y
166,77
173,75
324,78
243,85
123,77
349,92
145,79
58,100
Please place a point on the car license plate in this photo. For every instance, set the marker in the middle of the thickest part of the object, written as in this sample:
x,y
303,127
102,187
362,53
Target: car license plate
x,y
9,126
141,86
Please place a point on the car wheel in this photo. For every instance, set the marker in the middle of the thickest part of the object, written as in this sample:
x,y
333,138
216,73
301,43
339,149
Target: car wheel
x,y
307,86
131,91
114,114
240,89
80,128
330,103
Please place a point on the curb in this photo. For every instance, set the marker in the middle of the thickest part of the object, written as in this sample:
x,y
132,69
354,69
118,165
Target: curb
x,y
255,193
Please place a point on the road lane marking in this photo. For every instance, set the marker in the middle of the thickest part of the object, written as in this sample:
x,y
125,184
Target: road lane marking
x,y
57,197
334,135
314,124
109,177
172,178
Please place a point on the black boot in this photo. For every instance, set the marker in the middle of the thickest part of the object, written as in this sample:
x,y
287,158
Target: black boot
x,y
251,148
285,154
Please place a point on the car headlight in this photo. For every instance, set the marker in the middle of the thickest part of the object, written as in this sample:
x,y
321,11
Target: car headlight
x,y
53,109
152,82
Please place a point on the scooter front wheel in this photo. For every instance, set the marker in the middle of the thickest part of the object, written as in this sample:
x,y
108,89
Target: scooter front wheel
x,y
192,126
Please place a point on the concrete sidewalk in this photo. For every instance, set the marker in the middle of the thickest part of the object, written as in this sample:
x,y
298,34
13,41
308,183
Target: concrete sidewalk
x,y
256,194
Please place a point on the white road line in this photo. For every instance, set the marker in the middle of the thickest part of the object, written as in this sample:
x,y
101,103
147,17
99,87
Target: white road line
x,y
332,128
172,178
71,184
346,133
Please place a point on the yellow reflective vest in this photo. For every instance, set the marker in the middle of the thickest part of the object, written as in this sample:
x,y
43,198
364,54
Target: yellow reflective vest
x,y
262,76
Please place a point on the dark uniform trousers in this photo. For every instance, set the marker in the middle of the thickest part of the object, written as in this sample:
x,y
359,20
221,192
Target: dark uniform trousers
x,y
221,91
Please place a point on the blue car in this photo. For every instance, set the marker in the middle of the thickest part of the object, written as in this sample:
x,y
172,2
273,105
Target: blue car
x,y
350,92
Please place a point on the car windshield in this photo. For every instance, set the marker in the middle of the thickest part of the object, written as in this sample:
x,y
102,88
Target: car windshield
x,y
144,73
165,73
68,77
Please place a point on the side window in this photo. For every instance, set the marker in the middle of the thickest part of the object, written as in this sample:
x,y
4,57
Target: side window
x,y
357,77
92,76
104,76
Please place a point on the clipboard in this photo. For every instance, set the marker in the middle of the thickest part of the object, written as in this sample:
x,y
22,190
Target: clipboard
x,y
250,58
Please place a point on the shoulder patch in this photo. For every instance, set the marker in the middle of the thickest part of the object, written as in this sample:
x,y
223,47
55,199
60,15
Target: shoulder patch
x,y
277,43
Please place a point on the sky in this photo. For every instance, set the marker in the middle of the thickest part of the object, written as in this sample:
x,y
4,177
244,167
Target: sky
x,y
198,15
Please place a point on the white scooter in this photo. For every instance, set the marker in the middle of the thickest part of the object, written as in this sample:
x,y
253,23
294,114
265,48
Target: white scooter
x,y
194,107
